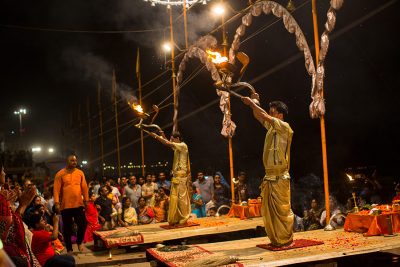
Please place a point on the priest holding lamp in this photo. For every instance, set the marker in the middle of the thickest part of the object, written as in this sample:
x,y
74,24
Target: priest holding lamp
x,y
276,210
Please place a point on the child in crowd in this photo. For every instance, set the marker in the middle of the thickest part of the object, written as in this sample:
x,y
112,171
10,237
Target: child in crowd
x,y
212,212
92,217
160,207
198,207
42,246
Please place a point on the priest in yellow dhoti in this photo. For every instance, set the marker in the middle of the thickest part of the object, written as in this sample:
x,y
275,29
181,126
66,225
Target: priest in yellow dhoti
x,y
179,202
275,189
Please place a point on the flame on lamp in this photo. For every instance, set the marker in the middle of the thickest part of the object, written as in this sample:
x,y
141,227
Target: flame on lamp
x,y
216,57
138,108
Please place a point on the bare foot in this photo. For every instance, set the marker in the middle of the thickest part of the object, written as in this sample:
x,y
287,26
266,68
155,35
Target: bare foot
x,y
81,248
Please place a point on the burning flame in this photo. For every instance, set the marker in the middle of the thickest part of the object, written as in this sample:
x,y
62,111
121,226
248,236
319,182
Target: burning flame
x,y
138,108
216,57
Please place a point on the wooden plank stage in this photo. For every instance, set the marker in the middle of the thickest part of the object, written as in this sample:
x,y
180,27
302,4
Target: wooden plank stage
x,y
153,233
337,244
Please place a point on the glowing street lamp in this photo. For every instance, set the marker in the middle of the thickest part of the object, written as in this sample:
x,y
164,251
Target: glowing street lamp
x,y
50,150
36,149
20,113
218,10
167,47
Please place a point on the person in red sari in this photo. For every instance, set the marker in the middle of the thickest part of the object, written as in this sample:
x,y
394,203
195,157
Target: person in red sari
x,y
12,232
92,218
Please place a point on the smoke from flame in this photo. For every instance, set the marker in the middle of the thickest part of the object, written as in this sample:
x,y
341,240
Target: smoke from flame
x,y
216,57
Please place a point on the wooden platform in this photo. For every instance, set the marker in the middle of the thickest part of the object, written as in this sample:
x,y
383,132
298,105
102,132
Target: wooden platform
x,y
120,257
338,244
153,233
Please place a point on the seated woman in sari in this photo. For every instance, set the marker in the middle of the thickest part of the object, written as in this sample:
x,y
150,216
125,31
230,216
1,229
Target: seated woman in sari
x,y
198,207
127,215
145,213
12,231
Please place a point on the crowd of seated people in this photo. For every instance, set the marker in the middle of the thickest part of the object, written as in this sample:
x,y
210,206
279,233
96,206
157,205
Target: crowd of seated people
x,y
28,214
29,228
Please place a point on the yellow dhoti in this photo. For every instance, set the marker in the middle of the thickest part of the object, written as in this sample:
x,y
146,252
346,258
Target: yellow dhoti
x,y
276,211
179,204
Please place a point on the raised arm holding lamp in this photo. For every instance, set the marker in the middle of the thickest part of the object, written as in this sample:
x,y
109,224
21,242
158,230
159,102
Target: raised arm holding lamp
x,y
179,205
277,214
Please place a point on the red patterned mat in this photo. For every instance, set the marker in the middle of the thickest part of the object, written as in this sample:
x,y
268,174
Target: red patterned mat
x,y
120,237
188,224
182,257
297,243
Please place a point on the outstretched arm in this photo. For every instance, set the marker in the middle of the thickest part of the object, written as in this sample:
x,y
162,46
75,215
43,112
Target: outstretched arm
x,y
260,114
161,138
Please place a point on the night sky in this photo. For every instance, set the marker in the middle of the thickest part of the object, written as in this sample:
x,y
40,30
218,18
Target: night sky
x,y
50,68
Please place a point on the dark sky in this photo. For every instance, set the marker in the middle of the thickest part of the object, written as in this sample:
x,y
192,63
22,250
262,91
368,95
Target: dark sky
x,y
51,69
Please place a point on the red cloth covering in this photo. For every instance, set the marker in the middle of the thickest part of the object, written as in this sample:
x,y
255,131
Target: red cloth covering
x,y
188,224
396,197
245,212
297,243
372,225
92,218
120,237
12,231
41,245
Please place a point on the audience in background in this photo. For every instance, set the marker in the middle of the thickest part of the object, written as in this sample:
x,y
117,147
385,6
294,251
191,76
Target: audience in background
x,y
144,212
127,214
197,204
92,217
104,205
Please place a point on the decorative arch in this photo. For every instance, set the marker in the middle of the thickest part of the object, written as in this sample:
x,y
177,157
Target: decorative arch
x,y
198,50
317,107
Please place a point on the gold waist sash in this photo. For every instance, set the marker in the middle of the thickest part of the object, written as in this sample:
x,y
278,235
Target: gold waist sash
x,y
276,170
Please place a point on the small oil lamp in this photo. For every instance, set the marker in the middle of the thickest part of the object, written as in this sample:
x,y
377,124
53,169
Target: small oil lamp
x,y
225,68
139,110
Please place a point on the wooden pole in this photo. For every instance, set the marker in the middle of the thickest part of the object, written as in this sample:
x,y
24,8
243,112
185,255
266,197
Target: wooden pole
x,y
230,150
90,137
224,37
138,76
114,88
321,119
71,128
172,56
185,24
101,128
80,130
